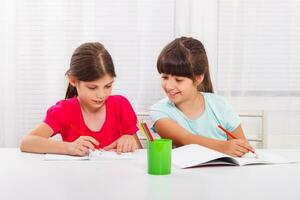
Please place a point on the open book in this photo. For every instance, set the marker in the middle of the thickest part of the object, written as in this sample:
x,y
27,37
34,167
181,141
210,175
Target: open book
x,y
94,155
194,155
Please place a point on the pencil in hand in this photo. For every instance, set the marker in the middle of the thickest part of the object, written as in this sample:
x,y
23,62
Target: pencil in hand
x,y
233,137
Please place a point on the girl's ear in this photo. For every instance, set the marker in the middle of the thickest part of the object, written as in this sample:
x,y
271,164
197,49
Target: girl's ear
x,y
72,80
199,80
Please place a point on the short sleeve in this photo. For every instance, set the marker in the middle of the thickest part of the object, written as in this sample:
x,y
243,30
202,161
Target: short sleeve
x,y
232,120
128,117
55,117
159,111
156,115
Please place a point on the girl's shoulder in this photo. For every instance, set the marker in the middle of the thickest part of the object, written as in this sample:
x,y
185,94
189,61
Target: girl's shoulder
x,y
163,104
61,113
214,99
217,103
66,104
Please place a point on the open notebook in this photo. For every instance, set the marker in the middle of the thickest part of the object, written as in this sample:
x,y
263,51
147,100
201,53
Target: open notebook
x,y
194,155
94,155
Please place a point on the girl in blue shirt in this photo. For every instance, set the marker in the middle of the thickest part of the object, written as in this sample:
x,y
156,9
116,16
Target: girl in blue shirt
x,y
191,112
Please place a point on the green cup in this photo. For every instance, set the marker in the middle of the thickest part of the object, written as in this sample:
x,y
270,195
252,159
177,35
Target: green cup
x,y
159,156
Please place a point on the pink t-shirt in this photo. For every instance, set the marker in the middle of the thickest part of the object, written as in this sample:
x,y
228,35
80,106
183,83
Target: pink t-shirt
x,y
66,114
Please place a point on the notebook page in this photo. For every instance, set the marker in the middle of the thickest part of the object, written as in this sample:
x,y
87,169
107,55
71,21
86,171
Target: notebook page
x,y
192,155
263,158
100,154
60,157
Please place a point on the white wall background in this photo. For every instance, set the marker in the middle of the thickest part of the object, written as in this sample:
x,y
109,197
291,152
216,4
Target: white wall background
x,y
253,49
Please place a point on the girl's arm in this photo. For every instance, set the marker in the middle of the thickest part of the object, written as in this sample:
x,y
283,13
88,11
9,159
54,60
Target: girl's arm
x,y
37,141
168,128
239,133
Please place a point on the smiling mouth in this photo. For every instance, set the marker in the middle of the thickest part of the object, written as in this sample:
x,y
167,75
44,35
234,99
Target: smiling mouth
x,y
173,94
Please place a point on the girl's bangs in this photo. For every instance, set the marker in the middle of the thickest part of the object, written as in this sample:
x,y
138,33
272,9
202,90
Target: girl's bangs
x,y
176,66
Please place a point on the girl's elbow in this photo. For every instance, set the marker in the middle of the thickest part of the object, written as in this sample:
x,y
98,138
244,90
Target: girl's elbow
x,y
175,140
22,146
24,143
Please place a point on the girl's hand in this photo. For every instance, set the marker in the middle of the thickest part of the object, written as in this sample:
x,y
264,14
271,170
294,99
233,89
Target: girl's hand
x,y
125,143
81,146
235,147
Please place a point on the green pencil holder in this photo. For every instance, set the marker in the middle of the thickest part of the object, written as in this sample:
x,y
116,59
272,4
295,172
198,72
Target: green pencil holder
x,y
159,156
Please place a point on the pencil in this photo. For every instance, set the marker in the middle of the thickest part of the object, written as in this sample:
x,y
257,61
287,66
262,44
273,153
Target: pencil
x,y
227,132
232,136
143,131
148,130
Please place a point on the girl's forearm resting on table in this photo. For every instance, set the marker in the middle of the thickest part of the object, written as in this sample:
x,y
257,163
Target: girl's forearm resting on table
x,y
38,144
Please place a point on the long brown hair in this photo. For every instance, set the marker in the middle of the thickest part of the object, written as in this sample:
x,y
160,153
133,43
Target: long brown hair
x,y
186,57
89,62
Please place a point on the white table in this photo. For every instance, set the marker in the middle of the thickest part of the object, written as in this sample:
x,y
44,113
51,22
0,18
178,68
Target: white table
x,y
28,176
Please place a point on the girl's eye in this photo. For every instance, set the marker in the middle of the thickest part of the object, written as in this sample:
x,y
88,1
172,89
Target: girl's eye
x,y
91,88
179,80
108,86
164,77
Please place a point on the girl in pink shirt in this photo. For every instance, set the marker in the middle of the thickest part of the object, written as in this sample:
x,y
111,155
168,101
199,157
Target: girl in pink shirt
x,y
89,117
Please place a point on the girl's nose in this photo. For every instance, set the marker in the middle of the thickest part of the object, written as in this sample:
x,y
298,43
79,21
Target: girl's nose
x,y
169,84
100,95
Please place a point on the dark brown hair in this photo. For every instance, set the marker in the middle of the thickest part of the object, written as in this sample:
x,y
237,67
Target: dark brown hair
x,y
89,62
186,57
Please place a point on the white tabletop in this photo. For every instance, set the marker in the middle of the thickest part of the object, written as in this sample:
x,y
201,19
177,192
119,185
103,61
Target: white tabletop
x,y
28,176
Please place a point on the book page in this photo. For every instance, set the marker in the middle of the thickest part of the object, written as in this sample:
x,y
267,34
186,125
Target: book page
x,y
194,155
262,158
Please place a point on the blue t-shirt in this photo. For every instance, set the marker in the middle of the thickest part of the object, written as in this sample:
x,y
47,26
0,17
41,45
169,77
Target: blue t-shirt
x,y
217,111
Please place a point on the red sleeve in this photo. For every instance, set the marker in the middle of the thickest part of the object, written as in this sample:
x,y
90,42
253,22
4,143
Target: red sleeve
x,y
128,117
56,117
